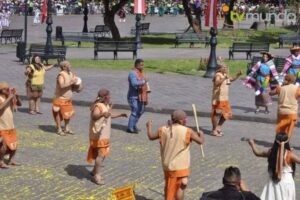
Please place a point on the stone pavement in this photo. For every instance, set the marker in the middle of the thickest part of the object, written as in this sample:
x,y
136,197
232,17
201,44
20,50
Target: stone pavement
x,y
169,91
54,167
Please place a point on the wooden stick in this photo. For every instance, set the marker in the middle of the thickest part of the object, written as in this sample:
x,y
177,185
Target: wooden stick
x,y
197,126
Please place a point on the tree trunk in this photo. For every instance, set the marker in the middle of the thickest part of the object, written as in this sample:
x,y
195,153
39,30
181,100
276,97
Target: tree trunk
x,y
109,17
228,23
109,20
194,23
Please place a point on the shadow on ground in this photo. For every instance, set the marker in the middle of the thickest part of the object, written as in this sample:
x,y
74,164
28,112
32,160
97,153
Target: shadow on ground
x,y
245,109
119,127
138,197
48,128
78,171
23,110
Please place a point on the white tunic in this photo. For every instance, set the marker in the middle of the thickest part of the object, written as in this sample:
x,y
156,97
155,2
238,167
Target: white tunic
x,y
283,190
36,19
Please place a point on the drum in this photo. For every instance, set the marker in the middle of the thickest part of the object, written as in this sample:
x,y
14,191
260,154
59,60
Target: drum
x,y
77,87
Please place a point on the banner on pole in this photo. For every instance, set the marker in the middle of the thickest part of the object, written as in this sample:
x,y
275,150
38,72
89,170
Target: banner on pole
x,y
211,14
44,11
139,7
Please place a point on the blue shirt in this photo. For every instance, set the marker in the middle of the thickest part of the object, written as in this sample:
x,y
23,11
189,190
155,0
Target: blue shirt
x,y
134,84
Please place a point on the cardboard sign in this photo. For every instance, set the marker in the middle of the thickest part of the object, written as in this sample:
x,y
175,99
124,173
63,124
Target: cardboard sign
x,y
124,193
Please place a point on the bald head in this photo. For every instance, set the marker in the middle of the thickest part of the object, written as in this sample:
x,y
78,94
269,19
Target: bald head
x,y
179,116
103,95
103,92
65,65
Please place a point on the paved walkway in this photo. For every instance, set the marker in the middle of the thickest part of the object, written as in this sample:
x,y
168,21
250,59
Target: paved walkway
x,y
168,91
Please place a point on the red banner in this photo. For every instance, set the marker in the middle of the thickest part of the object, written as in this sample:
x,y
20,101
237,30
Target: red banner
x,y
44,11
211,14
139,7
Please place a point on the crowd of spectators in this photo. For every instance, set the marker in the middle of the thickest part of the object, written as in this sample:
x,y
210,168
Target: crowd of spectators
x,y
172,7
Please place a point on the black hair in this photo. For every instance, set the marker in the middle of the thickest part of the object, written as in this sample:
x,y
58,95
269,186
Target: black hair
x,y
272,159
37,66
138,61
232,176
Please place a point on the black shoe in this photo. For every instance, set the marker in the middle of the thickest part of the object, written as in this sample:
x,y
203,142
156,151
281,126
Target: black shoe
x,y
137,130
130,131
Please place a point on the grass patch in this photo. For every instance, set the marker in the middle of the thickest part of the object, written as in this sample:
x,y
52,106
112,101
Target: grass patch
x,y
225,39
177,66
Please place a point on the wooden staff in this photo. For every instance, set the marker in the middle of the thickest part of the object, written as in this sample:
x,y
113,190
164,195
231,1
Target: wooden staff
x,y
197,125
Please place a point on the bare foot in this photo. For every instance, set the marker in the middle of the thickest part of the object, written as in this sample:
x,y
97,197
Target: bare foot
x,y
98,180
3,165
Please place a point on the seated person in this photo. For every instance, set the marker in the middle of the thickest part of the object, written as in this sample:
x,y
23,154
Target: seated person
x,y
234,188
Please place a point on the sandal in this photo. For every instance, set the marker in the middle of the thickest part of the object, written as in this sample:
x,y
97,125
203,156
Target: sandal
x,y
220,132
256,111
38,112
32,112
61,133
13,163
69,132
216,134
267,112
98,180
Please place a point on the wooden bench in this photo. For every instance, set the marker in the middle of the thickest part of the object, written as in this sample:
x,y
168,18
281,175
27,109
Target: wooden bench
x,y
247,48
101,31
17,34
115,47
77,37
10,34
289,39
144,29
58,52
278,61
191,38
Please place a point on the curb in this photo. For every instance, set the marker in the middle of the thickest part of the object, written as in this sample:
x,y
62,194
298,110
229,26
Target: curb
x,y
169,111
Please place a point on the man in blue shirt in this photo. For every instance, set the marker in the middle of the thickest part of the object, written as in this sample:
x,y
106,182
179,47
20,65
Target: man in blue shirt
x,y
137,95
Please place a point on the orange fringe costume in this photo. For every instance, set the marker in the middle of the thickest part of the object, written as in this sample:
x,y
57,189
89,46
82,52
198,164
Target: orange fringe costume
x,y
221,107
10,138
66,110
173,181
98,147
286,123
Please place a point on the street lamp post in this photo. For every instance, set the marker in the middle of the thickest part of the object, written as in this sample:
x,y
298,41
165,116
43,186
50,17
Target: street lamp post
x,y
212,62
25,24
49,47
85,18
138,31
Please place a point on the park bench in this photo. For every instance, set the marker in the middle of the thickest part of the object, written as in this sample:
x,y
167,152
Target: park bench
x,y
248,48
144,29
101,31
115,47
289,39
278,61
77,37
10,34
58,52
191,38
